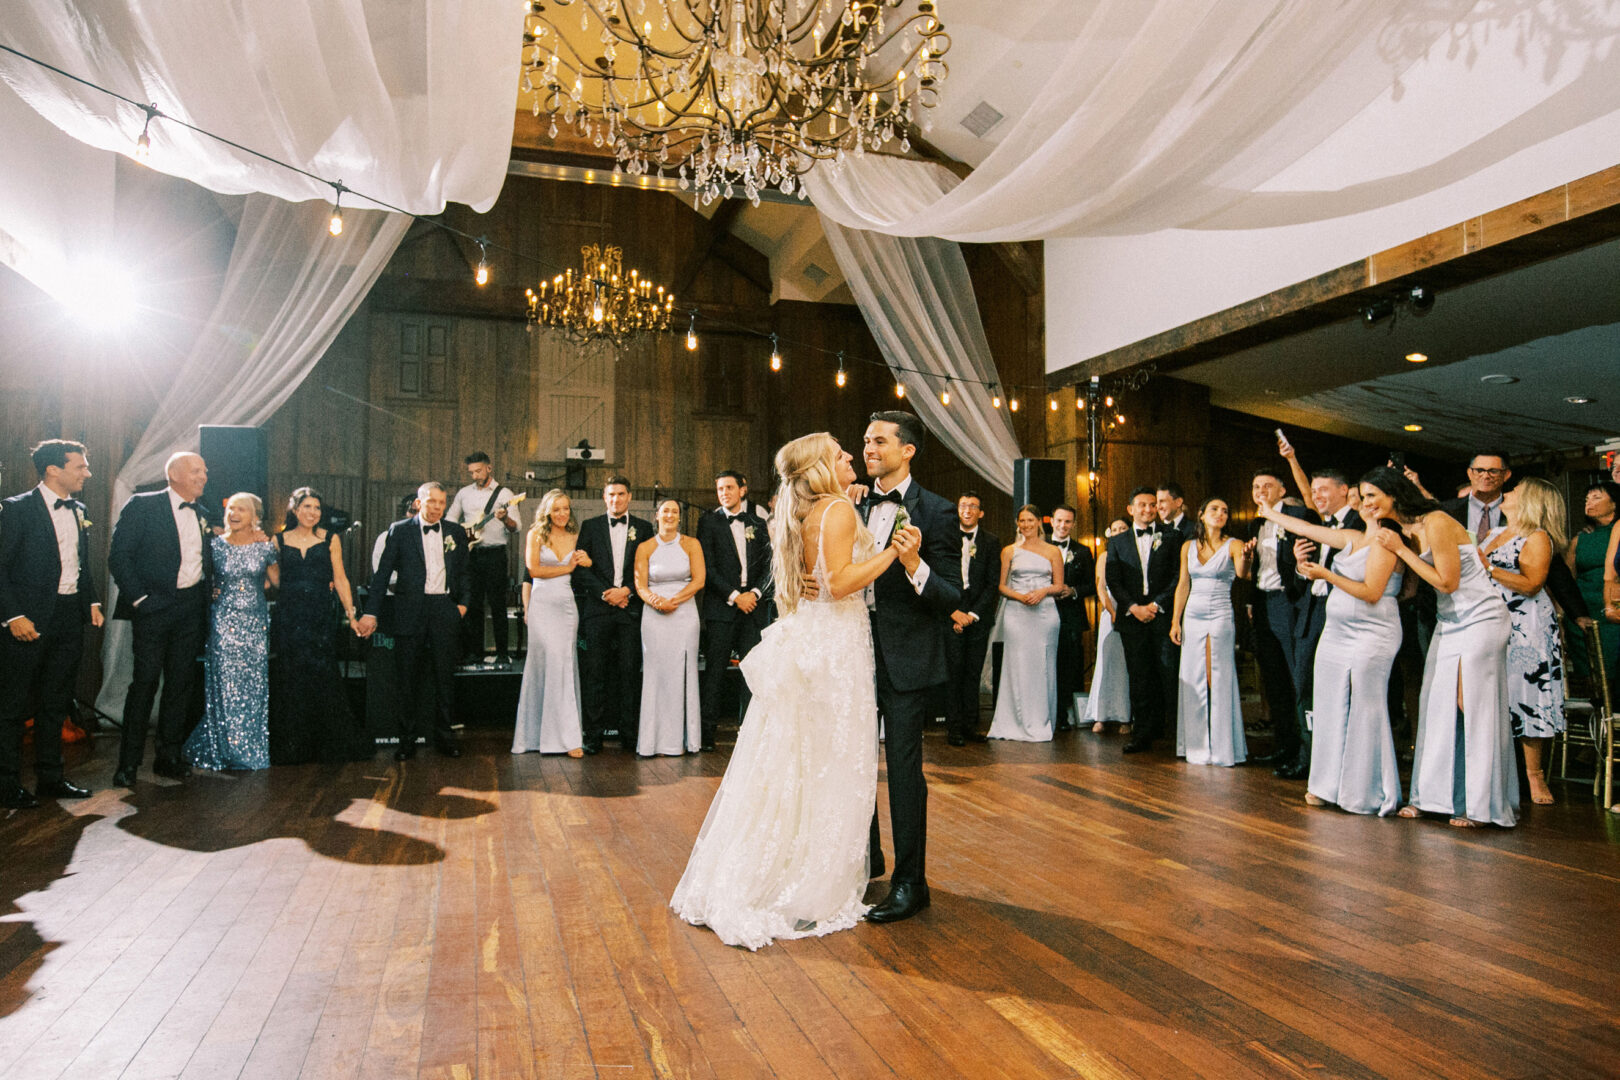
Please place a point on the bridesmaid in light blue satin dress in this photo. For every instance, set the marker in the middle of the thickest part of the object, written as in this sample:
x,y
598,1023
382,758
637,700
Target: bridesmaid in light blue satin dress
x,y
669,572
235,728
1110,699
1353,763
1031,574
1209,715
1464,767
548,710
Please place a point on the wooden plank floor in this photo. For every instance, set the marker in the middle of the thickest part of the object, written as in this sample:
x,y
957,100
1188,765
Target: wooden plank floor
x,y
496,916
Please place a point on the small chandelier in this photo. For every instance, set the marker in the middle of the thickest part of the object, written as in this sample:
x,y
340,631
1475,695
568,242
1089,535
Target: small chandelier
x,y
601,303
735,93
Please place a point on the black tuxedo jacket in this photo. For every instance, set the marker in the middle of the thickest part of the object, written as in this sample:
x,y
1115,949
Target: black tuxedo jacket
x,y
1310,606
145,554
1079,574
909,628
1188,529
31,565
402,554
982,588
590,582
1124,573
724,571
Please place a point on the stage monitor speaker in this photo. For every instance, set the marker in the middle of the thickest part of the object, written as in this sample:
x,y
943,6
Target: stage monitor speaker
x,y
1039,481
237,460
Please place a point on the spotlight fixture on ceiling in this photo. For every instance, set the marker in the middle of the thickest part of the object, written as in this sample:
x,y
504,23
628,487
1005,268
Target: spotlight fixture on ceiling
x,y
1413,427
1579,400
1418,299
1498,380
1417,357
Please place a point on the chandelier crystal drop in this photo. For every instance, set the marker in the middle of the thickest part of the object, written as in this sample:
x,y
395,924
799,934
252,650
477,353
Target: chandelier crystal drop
x,y
735,94
600,304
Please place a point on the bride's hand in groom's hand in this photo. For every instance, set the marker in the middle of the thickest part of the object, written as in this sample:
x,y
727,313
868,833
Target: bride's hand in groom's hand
x,y
907,544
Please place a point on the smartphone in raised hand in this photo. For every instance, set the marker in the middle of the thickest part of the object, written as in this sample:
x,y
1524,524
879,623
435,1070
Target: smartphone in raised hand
x,y
1283,445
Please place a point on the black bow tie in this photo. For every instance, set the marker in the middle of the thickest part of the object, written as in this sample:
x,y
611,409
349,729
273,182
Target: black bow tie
x,y
886,496
614,522
1144,532
732,517
966,535
184,506
430,528
60,503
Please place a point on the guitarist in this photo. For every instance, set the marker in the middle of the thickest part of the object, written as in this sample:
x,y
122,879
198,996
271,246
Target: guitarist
x,y
482,507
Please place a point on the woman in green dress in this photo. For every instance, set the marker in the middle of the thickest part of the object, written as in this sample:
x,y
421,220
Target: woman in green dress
x,y
1587,556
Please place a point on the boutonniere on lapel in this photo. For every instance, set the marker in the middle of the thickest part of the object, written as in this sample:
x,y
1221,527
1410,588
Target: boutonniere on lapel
x,y
449,543
973,548
1068,556
748,533
1157,540
84,522
901,520
630,533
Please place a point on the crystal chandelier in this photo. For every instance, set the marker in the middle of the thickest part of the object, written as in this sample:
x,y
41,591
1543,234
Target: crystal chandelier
x,y
734,93
601,303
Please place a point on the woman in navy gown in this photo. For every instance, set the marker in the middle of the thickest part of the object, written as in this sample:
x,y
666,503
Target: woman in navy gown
x,y
310,718
235,730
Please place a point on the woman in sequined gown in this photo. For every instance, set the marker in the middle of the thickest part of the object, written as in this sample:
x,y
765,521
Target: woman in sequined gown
x,y
235,729
783,851
310,719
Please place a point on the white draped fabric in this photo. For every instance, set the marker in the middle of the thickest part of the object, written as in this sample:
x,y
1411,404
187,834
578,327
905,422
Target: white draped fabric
x,y
288,290
918,301
1185,114
411,102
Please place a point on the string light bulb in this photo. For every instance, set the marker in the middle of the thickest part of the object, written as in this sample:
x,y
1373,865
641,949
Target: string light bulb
x,y
899,389
1119,418
691,334
1012,405
1080,403
335,225
945,394
1053,403
776,355
143,145
995,396
842,378
482,275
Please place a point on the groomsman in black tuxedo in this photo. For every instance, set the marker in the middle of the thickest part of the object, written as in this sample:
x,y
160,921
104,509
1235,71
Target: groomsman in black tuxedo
x,y
979,572
1144,566
425,557
1330,492
1080,581
910,605
1271,617
46,597
161,559
1172,504
736,593
610,618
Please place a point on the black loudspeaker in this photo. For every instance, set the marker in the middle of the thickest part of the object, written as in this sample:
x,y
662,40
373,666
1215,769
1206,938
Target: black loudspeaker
x,y
1039,481
237,460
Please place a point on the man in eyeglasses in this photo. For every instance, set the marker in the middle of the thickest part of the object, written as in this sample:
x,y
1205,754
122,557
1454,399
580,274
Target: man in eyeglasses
x,y
1481,510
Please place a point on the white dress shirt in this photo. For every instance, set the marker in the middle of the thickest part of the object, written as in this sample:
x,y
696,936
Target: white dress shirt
x,y
1267,578
190,528
618,534
739,525
66,524
433,557
1144,551
468,507
880,523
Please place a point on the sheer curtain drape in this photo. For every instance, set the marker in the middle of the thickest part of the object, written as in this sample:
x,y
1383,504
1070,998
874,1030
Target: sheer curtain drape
x,y
917,299
288,290
1189,114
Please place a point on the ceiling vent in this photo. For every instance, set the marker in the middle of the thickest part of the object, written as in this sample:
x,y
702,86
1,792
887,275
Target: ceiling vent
x,y
982,119
815,273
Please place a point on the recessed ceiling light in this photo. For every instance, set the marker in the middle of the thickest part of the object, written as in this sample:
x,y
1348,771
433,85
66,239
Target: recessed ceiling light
x,y
1270,392
1414,427
1417,357
1578,400
1498,380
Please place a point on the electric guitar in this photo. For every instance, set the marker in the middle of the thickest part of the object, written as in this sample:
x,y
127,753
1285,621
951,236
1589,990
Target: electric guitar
x,y
475,531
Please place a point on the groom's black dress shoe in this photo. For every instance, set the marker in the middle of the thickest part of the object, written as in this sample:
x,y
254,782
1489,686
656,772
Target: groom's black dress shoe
x,y
1136,746
956,740
904,901
124,778
61,789
18,798
171,770
1273,758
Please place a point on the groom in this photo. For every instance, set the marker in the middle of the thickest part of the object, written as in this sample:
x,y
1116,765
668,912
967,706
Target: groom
x,y
910,608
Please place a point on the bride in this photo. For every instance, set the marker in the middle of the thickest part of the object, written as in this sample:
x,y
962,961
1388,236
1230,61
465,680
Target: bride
x,y
782,853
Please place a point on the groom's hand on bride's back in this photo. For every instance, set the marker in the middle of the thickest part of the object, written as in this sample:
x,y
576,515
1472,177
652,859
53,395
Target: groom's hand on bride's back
x,y
808,587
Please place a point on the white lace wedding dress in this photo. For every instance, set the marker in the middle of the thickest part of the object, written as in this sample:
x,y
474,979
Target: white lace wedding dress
x,y
782,853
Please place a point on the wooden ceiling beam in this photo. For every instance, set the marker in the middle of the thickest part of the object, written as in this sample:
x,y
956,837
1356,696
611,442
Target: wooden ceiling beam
x,y
1555,222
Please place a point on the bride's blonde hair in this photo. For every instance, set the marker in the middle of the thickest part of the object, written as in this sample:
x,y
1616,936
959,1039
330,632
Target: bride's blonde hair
x,y
805,470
